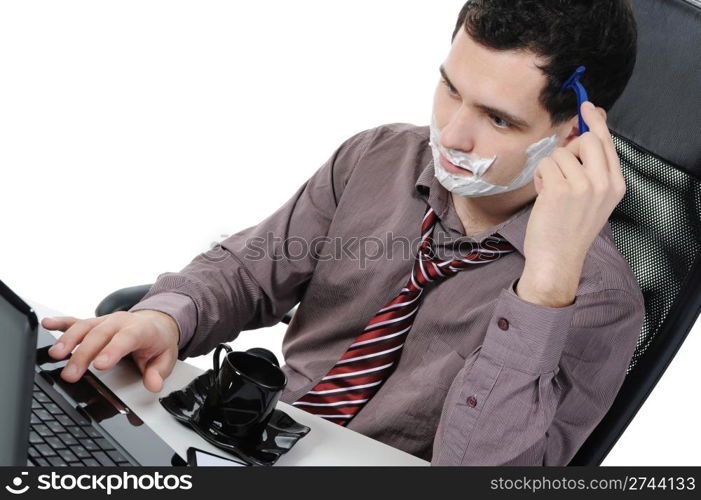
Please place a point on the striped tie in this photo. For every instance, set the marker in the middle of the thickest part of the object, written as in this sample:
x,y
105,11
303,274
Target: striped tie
x,y
374,354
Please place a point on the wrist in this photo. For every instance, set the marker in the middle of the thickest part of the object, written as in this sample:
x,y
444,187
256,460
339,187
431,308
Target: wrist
x,y
166,322
542,290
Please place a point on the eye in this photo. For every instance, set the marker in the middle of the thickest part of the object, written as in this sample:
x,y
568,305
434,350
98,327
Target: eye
x,y
500,122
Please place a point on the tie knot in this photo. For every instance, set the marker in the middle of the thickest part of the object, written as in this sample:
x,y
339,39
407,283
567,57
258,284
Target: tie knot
x,y
427,252
429,267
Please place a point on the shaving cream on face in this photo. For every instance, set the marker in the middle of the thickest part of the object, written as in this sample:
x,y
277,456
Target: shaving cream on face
x,y
475,185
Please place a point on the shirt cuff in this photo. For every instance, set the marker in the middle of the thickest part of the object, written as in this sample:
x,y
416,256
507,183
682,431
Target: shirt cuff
x,y
178,306
525,336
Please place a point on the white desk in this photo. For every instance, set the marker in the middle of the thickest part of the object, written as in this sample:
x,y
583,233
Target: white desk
x,y
326,444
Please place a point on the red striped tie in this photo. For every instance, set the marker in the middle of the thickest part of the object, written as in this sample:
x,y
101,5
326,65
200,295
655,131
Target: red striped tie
x,y
374,354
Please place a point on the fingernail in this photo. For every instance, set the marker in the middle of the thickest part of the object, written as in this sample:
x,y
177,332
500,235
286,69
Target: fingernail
x,y
58,346
70,370
102,359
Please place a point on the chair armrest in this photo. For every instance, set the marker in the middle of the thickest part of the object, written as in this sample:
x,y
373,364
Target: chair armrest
x,y
122,300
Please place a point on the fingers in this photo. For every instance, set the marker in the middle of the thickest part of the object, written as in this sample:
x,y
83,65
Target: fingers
x,y
596,119
73,335
570,166
122,343
105,340
598,152
550,174
595,161
141,360
88,349
158,369
58,322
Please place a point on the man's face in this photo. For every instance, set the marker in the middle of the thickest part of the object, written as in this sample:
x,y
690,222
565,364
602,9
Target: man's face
x,y
489,106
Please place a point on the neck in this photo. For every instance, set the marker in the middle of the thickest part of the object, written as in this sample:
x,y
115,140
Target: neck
x,y
482,212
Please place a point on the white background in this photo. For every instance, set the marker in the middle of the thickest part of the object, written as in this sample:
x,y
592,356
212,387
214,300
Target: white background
x,y
134,134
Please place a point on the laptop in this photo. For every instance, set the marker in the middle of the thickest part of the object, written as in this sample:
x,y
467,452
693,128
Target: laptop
x,y
47,421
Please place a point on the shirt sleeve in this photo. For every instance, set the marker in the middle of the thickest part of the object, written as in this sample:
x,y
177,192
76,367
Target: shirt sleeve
x,y
252,278
525,399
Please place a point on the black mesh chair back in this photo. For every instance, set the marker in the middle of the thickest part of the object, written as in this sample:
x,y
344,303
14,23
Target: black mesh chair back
x,y
657,225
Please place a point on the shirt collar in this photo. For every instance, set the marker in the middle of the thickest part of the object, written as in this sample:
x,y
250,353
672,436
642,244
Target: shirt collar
x,y
513,229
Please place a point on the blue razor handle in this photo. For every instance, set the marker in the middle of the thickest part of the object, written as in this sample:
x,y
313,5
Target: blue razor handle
x,y
574,83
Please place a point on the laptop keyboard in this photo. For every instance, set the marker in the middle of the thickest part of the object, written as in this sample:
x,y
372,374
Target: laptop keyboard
x,y
56,439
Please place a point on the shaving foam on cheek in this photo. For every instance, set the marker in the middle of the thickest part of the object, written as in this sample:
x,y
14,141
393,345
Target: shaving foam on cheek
x,y
469,161
475,185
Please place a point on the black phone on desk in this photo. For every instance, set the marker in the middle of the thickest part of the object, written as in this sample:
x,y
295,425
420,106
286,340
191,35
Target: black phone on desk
x,y
201,458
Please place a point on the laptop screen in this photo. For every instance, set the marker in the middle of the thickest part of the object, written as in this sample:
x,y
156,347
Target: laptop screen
x,y
18,337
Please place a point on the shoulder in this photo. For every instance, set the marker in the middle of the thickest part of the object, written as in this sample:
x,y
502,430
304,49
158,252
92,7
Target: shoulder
x,y
398,149
374,153
408,131
382,139
401,134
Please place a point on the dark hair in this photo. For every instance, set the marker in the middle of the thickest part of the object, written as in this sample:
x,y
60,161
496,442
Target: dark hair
x,y
598,34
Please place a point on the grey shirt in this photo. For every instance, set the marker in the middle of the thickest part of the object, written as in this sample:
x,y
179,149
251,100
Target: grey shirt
x,y
485,377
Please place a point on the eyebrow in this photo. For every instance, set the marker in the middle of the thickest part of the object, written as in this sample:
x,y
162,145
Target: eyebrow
x,y
488,109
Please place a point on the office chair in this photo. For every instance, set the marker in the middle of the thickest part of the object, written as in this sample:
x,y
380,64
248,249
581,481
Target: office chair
x,y
656,227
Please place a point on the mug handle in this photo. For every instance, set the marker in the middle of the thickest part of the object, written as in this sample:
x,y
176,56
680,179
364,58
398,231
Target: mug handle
x,y
217,351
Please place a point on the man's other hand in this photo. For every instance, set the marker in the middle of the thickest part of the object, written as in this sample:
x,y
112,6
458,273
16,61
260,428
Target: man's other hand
x,y
151,337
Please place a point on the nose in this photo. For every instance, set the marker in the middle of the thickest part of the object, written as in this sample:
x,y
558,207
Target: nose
x,y
458,133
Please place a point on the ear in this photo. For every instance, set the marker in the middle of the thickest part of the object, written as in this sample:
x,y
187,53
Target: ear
x,y
572,129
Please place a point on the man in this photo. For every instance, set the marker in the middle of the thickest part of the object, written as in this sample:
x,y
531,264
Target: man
x,y
505,340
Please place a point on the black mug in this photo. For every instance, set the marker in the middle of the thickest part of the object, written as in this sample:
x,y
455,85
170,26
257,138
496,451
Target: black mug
x,y
244,393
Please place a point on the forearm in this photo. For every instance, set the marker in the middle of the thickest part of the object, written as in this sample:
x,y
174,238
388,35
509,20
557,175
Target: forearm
x,y
210,300
550,285
536,401
498,411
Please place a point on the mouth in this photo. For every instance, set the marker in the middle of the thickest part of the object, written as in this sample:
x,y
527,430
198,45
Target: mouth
x,y
454,169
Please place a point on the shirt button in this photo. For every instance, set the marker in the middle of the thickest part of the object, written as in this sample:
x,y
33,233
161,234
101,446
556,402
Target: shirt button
x,y
471,401
503,323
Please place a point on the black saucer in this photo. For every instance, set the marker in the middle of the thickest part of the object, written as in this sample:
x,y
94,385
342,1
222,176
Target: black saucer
x,y
279,436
